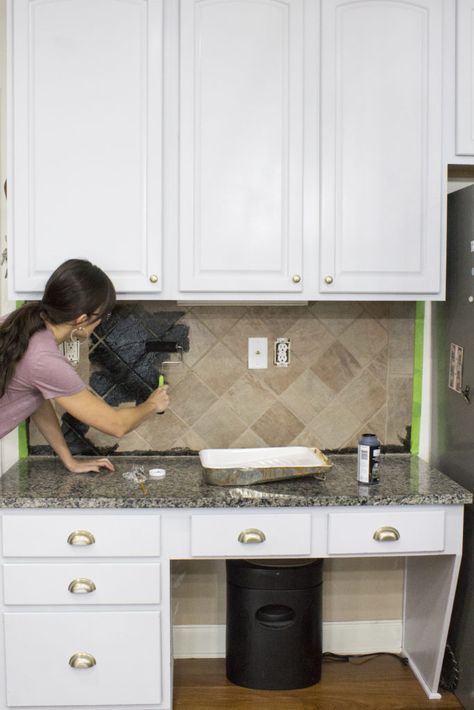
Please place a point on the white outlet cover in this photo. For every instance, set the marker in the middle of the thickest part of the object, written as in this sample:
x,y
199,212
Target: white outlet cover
x,y
257,353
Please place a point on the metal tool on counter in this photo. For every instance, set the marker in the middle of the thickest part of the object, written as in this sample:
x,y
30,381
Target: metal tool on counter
x,y
136,475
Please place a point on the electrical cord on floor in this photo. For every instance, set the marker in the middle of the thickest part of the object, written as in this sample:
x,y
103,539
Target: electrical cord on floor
x,y
359,658
450,670
449,673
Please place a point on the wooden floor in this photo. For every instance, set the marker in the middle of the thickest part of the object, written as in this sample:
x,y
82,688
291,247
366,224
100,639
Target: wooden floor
x,y
379,684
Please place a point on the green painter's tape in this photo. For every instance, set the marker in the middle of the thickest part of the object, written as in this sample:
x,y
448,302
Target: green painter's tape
x,y
417,377
22,435
22,441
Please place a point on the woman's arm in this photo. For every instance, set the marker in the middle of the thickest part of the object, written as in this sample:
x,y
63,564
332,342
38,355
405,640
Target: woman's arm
x,y
47,422
92,410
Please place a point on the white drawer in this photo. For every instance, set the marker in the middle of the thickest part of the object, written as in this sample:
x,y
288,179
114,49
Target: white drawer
x,y
400,532
126,647
114,536
81,583
278,534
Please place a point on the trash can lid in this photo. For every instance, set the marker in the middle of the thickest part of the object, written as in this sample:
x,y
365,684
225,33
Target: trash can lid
x,y
275,574
282,563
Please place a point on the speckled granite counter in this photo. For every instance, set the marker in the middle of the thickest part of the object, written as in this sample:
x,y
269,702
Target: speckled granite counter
x,y
42,482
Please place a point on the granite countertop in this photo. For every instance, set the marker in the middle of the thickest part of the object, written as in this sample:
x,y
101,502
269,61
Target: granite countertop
x,y
42,482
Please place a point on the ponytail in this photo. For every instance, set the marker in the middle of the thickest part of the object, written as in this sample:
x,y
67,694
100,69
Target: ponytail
x,y
15,333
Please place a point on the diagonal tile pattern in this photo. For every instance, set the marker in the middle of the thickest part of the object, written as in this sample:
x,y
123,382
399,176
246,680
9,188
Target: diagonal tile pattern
x,y
351,371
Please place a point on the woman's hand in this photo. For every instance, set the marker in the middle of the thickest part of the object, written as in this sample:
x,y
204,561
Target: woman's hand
x,y
160,398
89,465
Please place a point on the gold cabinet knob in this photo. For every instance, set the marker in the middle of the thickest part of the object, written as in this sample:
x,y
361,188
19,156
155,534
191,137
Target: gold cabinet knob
x,y
296,279
81,537
386,534
81,585
251,535
153,278
328,280
82,660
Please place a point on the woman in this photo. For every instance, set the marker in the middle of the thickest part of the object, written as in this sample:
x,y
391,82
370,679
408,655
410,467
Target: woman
x,y
77,296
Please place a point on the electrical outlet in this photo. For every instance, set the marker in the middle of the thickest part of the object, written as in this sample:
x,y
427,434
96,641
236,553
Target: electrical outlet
x,y
71,350
281,352
257,353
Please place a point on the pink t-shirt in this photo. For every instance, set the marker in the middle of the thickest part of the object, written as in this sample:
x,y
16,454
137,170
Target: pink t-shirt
x,y
42,373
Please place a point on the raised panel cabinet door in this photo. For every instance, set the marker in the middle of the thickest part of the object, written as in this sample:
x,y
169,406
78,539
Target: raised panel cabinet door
x,y
465,77
241,156
382,223
85,139
120,660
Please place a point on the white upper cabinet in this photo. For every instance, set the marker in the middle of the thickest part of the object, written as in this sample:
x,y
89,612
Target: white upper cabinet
x,y
382,214
241,146
265,150
85,139
464,129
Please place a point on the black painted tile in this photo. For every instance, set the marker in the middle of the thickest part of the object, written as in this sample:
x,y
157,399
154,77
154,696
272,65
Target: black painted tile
x,y
101,382
117,316
122,370
131,390
74,434
160,323
103,359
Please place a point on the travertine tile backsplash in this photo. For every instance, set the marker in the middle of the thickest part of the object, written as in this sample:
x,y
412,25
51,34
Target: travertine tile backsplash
x,y
351,371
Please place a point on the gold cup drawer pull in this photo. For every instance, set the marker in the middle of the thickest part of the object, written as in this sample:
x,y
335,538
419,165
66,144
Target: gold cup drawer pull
x,y
386,534
251,535
81,585
81,537
82,660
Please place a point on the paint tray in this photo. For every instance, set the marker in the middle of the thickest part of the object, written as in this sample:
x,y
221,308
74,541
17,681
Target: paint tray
x,y
244,467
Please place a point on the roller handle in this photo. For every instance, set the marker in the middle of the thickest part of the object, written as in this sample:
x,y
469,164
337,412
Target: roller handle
x,y
161,382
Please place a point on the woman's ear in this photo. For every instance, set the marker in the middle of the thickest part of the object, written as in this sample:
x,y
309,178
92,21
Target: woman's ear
x,y
81,319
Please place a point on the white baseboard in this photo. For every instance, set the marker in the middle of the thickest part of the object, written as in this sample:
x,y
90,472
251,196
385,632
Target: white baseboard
x,y
208,641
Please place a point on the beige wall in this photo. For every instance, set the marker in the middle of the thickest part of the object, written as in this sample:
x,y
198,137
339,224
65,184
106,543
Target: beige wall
x,y
351,371
353,590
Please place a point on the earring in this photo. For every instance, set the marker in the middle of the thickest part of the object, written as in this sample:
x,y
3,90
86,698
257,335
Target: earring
x,y
73,336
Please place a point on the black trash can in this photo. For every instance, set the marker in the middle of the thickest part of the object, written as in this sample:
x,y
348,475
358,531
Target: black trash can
x,y
274,623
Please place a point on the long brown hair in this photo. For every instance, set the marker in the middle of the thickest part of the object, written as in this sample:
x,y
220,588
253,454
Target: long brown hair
x,y
76,287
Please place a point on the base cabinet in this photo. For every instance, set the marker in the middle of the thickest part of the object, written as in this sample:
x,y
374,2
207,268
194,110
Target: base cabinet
x,y
120,658
82,610
84,632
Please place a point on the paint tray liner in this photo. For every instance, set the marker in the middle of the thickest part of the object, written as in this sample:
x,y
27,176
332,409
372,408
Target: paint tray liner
x,y
244,467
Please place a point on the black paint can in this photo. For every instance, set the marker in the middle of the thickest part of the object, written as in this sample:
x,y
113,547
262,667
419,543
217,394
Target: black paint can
x,y
368,458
